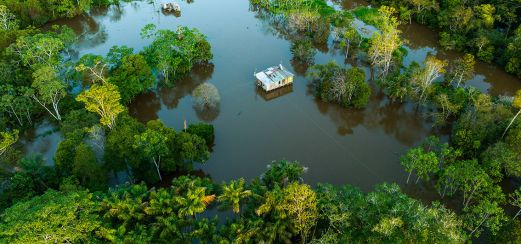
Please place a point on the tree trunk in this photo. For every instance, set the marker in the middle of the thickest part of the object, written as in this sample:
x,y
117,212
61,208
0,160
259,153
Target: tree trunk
x,y
409,177
156,163
347,48
512,121
16,115
43,105
517,214
483,221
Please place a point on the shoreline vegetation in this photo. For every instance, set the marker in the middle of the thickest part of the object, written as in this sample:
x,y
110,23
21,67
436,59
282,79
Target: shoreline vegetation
x,y
71,201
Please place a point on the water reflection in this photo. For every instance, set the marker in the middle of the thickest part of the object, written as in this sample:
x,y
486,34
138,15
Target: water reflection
x,y
267,96
399,120
199,74
43,139
337,144
146,106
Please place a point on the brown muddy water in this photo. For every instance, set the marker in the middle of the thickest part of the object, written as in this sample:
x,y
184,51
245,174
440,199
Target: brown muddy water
x,y
338,145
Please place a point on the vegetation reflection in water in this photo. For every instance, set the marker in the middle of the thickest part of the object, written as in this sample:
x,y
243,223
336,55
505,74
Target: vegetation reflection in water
x,y
86,98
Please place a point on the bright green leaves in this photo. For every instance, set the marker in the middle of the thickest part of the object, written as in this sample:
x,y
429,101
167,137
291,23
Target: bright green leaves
x,y
234,194
8,20
42,48
104,100
49,89
173,53
53,217
300,202
133,76
384,44
152,144
424,163
7,139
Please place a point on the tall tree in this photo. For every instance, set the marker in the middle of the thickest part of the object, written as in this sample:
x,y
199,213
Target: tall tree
x,y
153,144
300,202
424,78
461,70
486,213
104,100
423,162
515,200
49,90
132,77
384,44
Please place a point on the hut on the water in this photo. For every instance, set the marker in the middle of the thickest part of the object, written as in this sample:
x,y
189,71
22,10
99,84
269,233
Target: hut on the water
x,y
172,7
273,78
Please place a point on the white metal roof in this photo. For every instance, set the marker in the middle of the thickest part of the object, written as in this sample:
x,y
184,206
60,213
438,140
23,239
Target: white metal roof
x,y
273,75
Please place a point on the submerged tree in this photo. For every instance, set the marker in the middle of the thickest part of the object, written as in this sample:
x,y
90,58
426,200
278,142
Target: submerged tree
x,y
206,96
205,101
132,77
384,44
423,78
423,162
346,87
303,51
173,53
461,70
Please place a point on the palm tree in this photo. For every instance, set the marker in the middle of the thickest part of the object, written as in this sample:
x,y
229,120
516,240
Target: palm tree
x,y
193,203
233,194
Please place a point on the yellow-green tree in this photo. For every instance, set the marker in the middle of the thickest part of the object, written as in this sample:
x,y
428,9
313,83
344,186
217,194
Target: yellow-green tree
x,y
383,45
7,139
103,100
423,79
300,202
462,69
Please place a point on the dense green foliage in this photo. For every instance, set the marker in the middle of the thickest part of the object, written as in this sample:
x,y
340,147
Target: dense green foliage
x,y
490,29
174,53
102,142
346,87
276,208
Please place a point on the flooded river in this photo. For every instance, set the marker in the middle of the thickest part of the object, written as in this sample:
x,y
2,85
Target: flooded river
x,y
338,145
